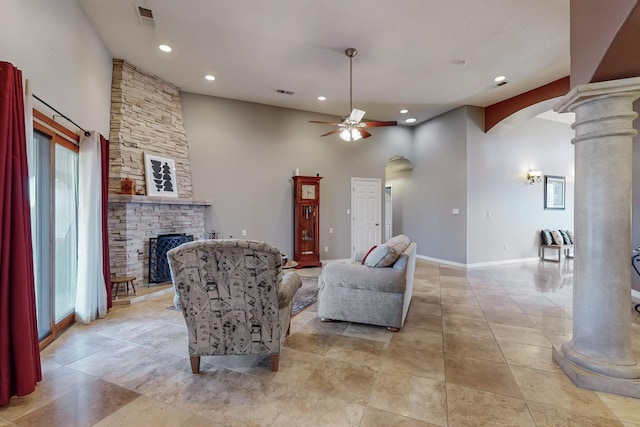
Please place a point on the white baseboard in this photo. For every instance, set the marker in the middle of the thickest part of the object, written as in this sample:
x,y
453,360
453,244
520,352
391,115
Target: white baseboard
x,y
635,296
478,264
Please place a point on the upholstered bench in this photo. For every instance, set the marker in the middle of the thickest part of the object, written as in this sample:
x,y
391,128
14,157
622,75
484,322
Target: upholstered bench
x,y
559,240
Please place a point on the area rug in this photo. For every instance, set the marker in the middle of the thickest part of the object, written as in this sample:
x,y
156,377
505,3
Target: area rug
x,y
304,297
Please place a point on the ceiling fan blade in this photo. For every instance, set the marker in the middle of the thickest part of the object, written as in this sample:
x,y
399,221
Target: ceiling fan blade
x,y
378,124
324,123
356,115
363,133
332,132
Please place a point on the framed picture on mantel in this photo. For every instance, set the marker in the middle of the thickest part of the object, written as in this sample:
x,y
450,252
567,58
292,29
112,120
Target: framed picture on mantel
x,y
160,174
554,192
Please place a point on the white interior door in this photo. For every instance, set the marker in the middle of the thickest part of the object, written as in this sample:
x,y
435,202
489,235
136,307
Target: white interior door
x,y
366,199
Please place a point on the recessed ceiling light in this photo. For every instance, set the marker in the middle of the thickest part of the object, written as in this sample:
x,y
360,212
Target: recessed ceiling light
x,y
499,79
209,77
404,111
410,120
322,98
164,48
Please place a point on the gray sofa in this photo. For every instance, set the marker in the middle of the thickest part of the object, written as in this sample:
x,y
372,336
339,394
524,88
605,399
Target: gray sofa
x,y
360,293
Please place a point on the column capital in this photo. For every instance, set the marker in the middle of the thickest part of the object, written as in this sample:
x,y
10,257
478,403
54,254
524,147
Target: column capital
x,y
591,90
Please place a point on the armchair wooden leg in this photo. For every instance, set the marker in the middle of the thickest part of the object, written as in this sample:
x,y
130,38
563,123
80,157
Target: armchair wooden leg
x,y
195,364
275,359
392,329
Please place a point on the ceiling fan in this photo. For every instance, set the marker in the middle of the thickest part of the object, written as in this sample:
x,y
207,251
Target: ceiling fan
x,y
352,127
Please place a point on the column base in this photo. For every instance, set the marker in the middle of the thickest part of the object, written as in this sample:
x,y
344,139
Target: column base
x,y
590,380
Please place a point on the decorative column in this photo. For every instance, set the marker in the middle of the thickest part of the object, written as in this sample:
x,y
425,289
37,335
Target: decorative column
x,y
601,342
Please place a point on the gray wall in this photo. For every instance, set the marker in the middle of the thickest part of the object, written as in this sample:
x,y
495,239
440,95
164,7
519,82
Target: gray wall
x,y
635,238
243,156
506,213
57,49
437,185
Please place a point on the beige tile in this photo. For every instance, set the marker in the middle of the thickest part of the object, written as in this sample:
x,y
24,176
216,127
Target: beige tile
x,y
472,346
503,303
551,416
552,324
627,409
520,335
84,406
431,340
358,351
311,342
472,312
467,407
369,332
55,384
311,409
557,390
545,310
414,358
478,328
481,375
419,398
457,292
198,421
529,356
452,271
294,366
426,286
376,418
342,380
557,338
507,318
146,411
469,301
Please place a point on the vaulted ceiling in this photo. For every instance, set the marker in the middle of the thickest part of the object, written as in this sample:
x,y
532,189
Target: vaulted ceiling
x,y
427,56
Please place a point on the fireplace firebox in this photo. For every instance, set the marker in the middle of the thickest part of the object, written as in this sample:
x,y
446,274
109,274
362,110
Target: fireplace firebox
x,y
159,271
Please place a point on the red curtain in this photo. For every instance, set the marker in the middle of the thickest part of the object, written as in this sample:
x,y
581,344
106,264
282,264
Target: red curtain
x,y
106,265
19,352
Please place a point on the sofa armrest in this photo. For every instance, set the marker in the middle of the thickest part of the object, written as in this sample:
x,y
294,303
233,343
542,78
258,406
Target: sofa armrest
x,y
291,282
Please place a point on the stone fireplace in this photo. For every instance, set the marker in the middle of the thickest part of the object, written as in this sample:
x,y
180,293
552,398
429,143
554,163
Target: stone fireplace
x,y
146,117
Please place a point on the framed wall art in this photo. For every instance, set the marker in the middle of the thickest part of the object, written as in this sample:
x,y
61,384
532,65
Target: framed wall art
x,y
160,174
554,192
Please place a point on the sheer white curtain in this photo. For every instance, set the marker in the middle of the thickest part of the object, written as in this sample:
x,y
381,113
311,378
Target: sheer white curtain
x,y
91,295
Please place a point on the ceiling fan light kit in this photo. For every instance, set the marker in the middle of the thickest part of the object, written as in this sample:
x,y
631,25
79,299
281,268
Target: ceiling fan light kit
x,y
352,128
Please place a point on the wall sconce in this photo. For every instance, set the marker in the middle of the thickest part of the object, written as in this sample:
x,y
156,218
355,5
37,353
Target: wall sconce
x,y
534,176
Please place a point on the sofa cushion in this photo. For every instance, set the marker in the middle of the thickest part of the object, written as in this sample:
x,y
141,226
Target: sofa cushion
x,y
399,243
382,256
546,237
557,238
364,258
570,234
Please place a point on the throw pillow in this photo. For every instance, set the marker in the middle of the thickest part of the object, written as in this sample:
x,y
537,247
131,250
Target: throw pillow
x,y
546,237
401,262
557,237
565,237
570,234
399,243
367,254
382,256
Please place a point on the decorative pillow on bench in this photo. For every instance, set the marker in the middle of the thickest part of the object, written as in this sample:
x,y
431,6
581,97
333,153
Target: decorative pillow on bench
x,y
565,237
557,237
546,237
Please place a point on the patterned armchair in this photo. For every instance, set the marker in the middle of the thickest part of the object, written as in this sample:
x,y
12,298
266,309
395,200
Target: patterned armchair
x,y
233,296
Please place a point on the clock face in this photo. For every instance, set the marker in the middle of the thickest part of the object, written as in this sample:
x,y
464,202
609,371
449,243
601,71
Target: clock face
x,y
308,191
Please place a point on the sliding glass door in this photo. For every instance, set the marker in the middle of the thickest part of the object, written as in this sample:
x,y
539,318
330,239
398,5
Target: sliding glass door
x,y
54,211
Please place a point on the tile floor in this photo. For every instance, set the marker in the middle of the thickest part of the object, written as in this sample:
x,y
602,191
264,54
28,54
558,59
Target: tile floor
x,y
475,351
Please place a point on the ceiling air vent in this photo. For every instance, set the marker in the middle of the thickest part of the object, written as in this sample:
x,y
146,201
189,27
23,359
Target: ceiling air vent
x,y
502,83
284,92
145,16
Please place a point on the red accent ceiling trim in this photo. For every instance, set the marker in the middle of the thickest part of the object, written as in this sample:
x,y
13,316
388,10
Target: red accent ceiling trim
x,y
494,114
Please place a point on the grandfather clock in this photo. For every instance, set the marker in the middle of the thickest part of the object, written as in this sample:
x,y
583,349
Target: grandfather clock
x,y
306,219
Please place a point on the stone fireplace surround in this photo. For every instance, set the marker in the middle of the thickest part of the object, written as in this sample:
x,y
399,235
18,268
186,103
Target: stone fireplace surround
x,y
146,117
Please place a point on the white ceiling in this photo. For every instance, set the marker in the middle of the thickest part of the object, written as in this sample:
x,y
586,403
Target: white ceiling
x,y
409,51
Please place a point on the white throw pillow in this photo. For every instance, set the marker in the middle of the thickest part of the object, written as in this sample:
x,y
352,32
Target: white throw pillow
x,y
382,256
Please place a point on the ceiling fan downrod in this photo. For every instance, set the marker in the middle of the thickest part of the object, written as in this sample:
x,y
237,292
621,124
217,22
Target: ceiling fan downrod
x,y
351,52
